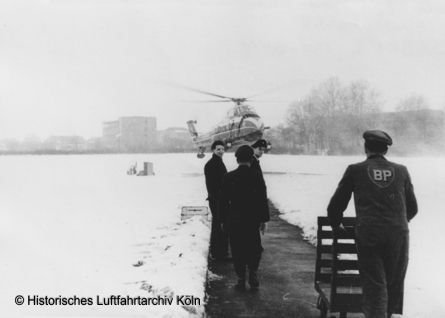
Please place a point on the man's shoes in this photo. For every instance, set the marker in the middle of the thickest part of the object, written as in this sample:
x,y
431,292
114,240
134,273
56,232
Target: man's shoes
x,y
253,281
240,285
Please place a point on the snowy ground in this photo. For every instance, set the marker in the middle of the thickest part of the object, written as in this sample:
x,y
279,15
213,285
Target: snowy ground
x,y
79,225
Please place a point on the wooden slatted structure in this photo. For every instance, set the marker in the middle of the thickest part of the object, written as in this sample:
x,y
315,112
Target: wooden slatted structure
x,y
337,277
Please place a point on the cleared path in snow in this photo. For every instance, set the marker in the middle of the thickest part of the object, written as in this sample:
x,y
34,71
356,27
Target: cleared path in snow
x,y
286,276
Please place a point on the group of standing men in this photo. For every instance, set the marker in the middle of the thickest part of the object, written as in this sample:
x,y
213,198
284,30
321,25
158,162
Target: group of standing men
x,y
384,203
239,207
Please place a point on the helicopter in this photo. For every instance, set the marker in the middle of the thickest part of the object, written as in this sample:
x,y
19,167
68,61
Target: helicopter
x,y
242,125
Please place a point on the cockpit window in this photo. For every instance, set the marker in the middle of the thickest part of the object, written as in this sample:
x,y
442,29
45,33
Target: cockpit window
x,y
242,111
251,115
247,110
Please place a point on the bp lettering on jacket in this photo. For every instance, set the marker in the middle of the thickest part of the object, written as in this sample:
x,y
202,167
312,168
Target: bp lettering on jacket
x,y
381,176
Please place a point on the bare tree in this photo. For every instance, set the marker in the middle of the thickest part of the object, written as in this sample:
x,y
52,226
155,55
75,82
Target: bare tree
x,y
413,102
329,96
327,120
361,98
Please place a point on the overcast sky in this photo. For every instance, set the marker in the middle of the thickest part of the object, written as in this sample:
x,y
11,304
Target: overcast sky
x,y
66,66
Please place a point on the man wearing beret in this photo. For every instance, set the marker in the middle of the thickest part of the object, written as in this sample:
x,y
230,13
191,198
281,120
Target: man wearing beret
x,y
243,212
384,204
214,170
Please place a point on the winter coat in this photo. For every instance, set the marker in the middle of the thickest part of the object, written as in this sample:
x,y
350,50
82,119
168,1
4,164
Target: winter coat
x,y
256,165
383,194
214,170
243,197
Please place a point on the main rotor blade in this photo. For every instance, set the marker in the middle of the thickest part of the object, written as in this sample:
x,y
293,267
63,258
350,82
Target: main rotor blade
x,y
268,101
207,101
202,92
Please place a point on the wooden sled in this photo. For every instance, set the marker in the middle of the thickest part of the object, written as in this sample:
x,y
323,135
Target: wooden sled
x,y
337,277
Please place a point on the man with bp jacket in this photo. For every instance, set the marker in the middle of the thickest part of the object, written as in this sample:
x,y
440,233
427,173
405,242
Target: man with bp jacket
x,y
384,203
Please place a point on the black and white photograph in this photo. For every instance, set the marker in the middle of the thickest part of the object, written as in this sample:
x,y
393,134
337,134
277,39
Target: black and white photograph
x,y
222,158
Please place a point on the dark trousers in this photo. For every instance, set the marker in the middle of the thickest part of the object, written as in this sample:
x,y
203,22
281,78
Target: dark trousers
x,y
245,243
383,260
219,240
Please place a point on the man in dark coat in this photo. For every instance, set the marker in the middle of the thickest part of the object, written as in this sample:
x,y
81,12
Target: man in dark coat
x,y
214,171
243,212
259,147
384,204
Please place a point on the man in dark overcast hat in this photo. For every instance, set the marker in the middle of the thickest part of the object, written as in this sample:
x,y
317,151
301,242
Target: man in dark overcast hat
x,y
259,147
243,212
214,170
384,204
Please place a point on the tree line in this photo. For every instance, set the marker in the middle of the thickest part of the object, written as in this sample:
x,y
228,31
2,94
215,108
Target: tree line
x,y
333,116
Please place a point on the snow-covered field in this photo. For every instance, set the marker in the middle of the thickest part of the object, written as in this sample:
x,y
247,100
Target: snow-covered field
x,y
79,225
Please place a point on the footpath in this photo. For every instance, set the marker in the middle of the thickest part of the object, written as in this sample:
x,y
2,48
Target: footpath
x,y
286,278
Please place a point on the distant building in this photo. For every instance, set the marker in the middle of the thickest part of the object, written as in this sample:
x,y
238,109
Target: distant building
x,y
9,145
31,143
110,134
135,133
95,144
175,139
65,143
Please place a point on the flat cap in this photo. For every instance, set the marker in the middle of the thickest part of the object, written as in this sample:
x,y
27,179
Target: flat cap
x,y
260,143
244,153
378,136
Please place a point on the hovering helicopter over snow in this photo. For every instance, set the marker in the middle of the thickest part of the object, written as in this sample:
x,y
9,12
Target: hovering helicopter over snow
x,y
242,125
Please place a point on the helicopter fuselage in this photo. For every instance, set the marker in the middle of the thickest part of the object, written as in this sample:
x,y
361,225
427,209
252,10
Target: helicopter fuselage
x,y
241,126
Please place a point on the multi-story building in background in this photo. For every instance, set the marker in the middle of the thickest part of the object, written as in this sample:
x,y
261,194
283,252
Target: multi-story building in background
x,y
110,134
134,133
